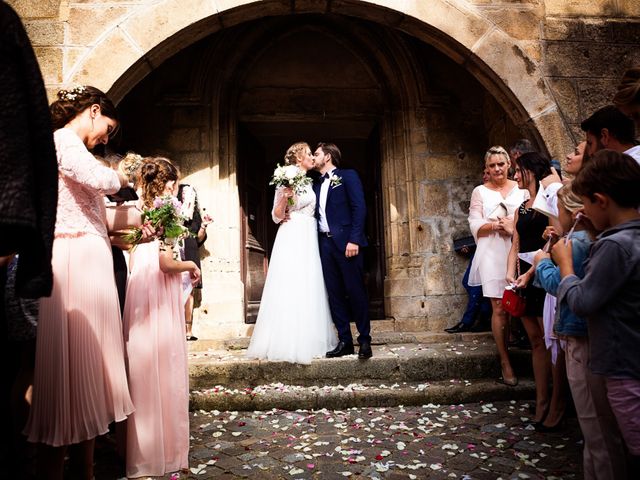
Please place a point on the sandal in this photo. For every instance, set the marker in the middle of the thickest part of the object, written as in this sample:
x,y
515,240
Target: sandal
x,y
191,338
509,383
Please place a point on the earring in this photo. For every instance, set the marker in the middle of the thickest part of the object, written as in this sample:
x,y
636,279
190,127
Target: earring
x,y
92,119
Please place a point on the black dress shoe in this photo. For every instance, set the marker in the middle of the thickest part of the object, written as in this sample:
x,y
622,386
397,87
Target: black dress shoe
x,y
459,328
365,351
341,350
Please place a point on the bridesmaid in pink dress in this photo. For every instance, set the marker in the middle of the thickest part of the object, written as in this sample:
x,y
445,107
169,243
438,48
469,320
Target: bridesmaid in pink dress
x,y
158,431
80,383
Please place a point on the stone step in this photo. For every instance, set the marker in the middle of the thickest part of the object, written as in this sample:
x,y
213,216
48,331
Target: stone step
x,y
226,377
378,338
294,397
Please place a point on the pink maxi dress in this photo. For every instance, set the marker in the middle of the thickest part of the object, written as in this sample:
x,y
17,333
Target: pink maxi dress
x,y
80,383
158,431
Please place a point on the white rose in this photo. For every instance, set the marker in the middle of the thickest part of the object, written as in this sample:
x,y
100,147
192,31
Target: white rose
x,y
291,171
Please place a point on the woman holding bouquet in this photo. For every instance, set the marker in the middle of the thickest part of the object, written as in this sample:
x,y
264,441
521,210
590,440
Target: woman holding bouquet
x,y
158,431
294,322
80,383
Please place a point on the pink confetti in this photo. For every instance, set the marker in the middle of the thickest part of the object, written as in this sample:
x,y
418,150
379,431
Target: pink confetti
x,y
311,465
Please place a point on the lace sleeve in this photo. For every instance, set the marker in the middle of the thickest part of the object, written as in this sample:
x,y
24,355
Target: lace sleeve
x,y
77,163
276,199
476,213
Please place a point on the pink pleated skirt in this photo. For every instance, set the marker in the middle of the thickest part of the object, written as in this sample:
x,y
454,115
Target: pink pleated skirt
x,y
158,431
80,383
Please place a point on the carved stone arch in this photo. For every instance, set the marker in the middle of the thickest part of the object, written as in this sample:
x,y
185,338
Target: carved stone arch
x,y
149,34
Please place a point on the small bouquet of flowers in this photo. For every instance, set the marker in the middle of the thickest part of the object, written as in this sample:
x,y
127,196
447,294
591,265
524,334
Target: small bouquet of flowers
x,y
292,177
165,218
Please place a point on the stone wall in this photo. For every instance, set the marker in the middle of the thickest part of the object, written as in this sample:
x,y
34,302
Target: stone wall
x,y
475,73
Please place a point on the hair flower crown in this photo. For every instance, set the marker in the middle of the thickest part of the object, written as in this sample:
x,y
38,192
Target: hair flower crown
x,y
71,95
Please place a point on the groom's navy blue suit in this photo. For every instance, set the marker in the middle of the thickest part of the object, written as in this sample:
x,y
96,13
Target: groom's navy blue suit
x,y
345,212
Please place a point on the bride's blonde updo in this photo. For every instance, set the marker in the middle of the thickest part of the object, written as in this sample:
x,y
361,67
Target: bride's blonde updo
x,y
293,152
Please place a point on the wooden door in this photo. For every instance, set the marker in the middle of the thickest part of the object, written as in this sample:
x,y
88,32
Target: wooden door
x,y
254,211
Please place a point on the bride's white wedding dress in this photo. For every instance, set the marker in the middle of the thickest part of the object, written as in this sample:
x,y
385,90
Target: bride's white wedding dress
x,y
294,322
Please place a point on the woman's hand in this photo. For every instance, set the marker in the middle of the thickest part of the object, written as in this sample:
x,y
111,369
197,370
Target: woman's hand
x,y
511,278
505,225
148,232
287,192
195,274
551,231
539,256
523,280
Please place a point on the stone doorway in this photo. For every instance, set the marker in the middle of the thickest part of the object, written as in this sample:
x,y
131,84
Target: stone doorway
x,y
260,147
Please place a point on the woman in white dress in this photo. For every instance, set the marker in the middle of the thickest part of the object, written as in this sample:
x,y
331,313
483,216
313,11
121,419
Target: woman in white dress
x,y
294,322
491,221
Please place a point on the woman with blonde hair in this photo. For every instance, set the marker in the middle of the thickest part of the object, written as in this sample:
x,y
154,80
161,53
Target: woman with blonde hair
x,y
491,222
294,321
627,98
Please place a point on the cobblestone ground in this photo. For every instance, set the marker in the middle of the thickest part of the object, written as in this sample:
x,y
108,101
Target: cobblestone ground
x,y
471,441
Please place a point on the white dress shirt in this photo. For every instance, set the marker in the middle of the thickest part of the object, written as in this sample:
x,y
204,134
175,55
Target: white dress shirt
x,y
323,224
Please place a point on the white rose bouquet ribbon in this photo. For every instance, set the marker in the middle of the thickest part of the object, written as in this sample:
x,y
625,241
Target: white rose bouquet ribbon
x,y
292,177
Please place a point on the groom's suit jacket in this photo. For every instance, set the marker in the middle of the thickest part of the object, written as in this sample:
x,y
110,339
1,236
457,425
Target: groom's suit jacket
x,y
345,208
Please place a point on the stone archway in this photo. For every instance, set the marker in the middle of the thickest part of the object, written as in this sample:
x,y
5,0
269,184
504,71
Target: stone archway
x,y
419,286
140,40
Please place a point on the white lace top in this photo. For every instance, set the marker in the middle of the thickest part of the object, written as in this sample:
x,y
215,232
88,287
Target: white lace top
x,y
305,203
82,183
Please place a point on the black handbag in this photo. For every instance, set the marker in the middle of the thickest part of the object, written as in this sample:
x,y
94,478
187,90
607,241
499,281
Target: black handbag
x,y
464,245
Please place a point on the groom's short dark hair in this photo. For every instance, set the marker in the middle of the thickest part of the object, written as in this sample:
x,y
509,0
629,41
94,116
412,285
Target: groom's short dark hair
x,y
331,149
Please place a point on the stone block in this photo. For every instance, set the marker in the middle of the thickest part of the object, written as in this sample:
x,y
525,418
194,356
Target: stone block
x,y
438,276
411,324
72,55
461,23
83,20
183,140
519,72
554,133
441,167
407,307
50,61
153,23
629,8
191,162
403,287
28,9
423,238
594,93
589,60
433,200
519,23
565,93
42,33
562,29
107,61
580,8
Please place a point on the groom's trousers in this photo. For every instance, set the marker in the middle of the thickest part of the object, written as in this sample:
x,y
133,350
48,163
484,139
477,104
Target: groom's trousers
x,y
344,280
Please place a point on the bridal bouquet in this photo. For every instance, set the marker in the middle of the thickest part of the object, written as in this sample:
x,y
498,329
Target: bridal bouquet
x,y
165,218
292,177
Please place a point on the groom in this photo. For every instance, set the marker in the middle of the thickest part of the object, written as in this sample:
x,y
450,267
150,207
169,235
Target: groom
x,y
341,212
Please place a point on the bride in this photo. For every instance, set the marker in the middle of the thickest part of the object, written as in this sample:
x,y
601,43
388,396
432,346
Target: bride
x,y
294,322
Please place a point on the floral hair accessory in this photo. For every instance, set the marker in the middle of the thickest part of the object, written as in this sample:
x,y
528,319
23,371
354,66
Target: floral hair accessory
x,y
131,162
71,95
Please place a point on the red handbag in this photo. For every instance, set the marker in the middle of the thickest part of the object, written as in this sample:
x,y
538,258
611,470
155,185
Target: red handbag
x,y
513,302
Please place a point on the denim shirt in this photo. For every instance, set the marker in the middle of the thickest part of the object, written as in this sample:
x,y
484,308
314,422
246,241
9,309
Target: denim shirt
x,y
609,298
548,276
